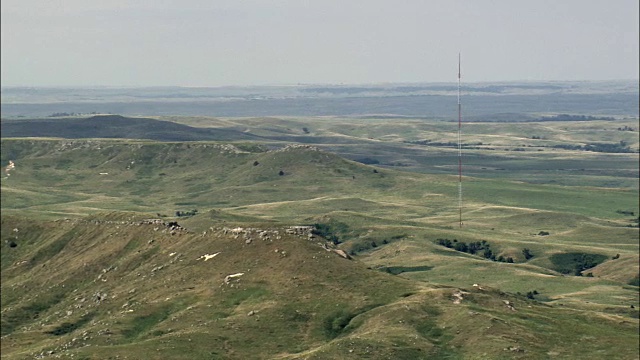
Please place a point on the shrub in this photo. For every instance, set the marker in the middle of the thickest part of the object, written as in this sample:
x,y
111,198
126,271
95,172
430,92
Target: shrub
x,y
186,213
527,253
444,242
461,246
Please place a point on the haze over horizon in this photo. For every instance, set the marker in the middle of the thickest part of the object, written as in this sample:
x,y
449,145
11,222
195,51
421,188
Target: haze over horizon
x,y
198,43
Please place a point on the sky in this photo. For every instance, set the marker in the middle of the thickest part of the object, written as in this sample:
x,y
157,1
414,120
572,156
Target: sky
x,y
288,42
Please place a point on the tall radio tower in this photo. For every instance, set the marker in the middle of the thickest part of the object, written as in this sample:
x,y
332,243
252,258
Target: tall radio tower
x,y
459,147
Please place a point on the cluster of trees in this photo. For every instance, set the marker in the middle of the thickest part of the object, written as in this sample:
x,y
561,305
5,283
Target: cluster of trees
x,y
60,114
444,144
585,262
474,248
619,147
186,213
626,128
576,263
477,246
569,117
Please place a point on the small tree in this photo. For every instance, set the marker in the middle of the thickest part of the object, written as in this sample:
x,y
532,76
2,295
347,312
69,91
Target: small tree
x,y
527,253
461,246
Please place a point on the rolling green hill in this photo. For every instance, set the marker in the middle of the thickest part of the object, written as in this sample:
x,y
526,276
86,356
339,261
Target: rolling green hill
x,y
125,285
81,259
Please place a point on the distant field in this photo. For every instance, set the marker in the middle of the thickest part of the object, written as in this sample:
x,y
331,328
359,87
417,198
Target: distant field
x,y
512,101
599,153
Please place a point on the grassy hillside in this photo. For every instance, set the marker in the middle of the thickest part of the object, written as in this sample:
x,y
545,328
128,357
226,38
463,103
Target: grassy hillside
x,y
113,126
303,301
118,284
601,153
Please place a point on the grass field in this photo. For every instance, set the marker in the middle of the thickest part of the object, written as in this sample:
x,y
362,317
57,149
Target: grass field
x,y
306,302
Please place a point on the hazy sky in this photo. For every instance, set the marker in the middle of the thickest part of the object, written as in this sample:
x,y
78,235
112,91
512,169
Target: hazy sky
x,y
260,42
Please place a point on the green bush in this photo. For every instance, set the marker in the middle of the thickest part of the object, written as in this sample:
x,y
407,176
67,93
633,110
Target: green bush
x,y
187,213
527,253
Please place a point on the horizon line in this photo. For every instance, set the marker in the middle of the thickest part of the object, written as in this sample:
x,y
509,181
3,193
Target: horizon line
x,y
320,84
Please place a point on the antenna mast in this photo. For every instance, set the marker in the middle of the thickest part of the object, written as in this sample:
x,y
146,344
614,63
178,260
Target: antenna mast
x,y
459,147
